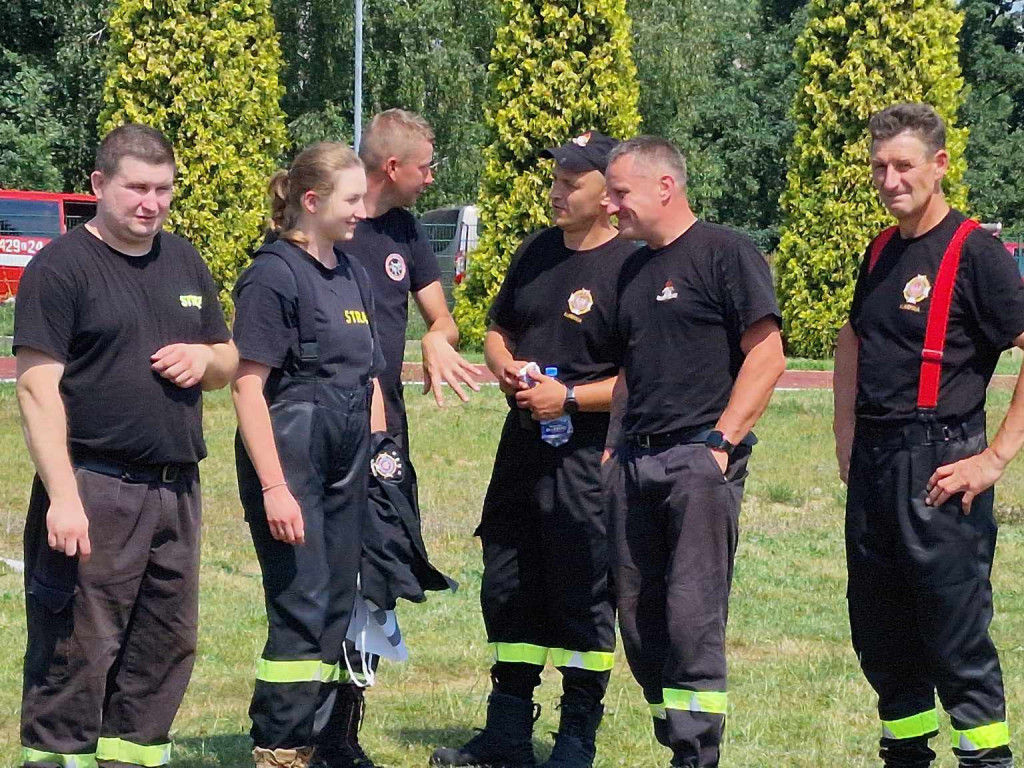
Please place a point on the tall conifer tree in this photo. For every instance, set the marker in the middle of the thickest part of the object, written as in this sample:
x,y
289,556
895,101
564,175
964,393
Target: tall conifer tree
x,y
205,72
855,58
558,68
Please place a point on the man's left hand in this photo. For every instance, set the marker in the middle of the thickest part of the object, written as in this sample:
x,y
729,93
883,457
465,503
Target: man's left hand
x,y
545,399
970,476
441,363
184,365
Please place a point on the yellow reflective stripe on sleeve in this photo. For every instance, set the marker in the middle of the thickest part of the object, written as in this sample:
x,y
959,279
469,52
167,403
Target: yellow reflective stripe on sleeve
x,y
658,711
521,653
29,755
921,724
594,661
713,702
982,737
122,751
303,671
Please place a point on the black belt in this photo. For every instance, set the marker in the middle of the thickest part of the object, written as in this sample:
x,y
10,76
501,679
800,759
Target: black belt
x,y
137,473
920,432
657,440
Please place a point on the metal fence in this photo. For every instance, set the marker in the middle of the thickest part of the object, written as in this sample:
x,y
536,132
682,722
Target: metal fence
x,y
449,242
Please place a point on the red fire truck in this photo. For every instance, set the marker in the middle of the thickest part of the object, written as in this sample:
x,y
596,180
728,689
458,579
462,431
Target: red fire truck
x,y
28,221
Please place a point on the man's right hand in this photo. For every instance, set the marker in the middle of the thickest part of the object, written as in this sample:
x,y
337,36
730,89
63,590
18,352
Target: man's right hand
x,y
67,529
284,516
844,449
509,381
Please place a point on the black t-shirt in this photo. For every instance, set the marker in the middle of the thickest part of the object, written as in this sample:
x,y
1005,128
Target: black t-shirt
x,y
682,311
266,316
558,305
889,316
103,314
396,252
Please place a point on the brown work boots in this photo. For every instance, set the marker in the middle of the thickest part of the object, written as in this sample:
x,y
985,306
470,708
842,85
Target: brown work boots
x,y
282,758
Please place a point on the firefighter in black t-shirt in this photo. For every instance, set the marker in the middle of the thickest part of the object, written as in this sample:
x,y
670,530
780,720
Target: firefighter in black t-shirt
x,y
304,325
936,303
118,330
545,592
698,333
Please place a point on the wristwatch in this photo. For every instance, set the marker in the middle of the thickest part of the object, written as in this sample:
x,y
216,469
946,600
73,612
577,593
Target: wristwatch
x,y
717,441
570,406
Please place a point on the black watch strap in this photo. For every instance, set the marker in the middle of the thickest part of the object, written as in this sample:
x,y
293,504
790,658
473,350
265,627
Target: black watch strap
x,y
570,405
716,440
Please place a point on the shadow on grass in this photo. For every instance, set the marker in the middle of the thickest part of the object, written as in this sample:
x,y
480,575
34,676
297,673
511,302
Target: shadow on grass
x,y
227,749
456,737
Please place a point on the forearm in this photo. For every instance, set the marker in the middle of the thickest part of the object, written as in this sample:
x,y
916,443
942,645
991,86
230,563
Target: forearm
x,y
1009,438
596,397
256,430
497,351
222,366
445,325
378,415
844,384
753,389
44,424
620,396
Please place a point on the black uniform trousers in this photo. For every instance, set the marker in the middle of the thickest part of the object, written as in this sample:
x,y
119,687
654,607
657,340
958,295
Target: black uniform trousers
x,y
676,527
309,589
919,595
111,641
545,591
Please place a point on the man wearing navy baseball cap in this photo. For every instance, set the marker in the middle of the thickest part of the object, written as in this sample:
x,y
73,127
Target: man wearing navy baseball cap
x,y
542,599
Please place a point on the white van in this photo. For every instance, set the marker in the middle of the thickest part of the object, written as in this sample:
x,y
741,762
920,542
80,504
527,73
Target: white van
x,y
453,235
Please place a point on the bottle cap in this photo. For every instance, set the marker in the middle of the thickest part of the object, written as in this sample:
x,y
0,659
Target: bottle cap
x,y
551,371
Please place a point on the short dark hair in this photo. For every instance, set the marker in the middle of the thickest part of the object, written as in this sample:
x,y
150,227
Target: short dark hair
x,y
133,140
920,119
653,150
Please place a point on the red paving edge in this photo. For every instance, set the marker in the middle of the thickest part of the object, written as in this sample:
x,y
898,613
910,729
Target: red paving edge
x,y
789,380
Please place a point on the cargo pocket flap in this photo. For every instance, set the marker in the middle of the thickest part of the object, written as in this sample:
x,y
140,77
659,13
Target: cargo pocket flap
x,y
55,600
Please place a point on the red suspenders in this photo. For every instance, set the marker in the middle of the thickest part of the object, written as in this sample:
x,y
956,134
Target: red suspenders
x,y
938,313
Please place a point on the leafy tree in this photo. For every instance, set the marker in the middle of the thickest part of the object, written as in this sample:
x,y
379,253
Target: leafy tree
x,y
205,73
854,59
992,58
26,99
429,56
558,68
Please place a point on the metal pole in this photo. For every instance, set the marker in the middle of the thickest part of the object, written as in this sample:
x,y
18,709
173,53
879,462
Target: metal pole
x,y
358,101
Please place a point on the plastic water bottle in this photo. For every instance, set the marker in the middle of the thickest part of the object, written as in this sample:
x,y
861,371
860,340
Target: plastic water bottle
x,y
556,432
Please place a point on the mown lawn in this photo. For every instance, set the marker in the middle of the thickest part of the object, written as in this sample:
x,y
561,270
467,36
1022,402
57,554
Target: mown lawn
x,y
797,697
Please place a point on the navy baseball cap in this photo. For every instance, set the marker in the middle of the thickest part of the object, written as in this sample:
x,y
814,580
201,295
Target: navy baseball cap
x,y
587,152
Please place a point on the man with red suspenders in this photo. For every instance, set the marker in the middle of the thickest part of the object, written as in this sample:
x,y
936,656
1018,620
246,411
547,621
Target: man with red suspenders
x,y
936,303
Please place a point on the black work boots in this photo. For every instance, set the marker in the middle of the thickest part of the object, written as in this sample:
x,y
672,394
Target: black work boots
x,y
506,741
577,732
339,741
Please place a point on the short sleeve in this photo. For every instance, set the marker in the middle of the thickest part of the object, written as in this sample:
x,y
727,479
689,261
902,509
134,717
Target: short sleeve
x,y
44,314
215,330
859,290
995,297
265,326
425,269
747,281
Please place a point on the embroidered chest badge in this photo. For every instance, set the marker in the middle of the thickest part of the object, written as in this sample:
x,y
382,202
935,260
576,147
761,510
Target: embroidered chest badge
x,y
915,291
667,293
387,465
580,302
394,265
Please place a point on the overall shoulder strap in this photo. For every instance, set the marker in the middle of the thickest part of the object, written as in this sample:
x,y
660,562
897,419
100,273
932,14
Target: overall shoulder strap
x,y
878,245
309,348
938,318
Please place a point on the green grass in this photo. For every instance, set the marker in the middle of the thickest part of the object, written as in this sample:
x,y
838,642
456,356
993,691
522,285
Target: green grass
x,y
797,696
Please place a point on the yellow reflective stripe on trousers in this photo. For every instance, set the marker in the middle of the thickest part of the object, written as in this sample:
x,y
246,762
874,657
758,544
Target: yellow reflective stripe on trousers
x,y
520,653
713,702
982,737
658,711
594,661
301,671
123,751
29,755
921,724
